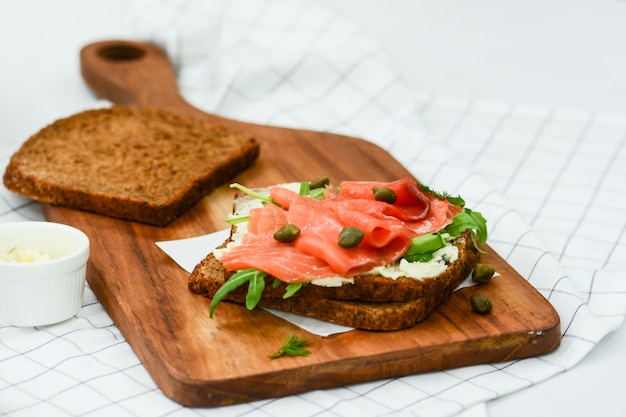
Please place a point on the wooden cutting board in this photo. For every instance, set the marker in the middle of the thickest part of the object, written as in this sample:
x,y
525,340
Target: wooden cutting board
x,y
198,361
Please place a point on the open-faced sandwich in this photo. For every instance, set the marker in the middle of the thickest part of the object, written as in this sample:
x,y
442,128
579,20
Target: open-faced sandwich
x,y
370,255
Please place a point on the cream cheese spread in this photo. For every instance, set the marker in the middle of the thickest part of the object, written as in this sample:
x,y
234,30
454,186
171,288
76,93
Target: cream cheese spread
x,y
419,270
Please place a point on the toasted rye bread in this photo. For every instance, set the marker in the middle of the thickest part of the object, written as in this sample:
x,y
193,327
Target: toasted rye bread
x,y
372,302
126,162
210,274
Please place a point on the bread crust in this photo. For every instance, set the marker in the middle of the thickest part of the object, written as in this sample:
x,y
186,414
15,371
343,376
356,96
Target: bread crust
x,y
127,162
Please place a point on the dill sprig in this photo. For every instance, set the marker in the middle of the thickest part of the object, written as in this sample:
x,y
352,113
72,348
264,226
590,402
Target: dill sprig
x,y
457,201
292,346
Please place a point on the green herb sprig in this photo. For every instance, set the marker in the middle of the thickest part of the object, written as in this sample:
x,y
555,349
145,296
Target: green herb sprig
x,y
467,219
292,346
237,220
249,191
252,193
472,220
457,201
307,191
256,284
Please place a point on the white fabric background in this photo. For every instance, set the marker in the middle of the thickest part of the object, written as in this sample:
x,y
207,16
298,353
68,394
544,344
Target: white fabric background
x,y
548,180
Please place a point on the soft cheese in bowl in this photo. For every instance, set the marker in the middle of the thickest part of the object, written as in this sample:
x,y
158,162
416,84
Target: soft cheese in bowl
x,y
42,272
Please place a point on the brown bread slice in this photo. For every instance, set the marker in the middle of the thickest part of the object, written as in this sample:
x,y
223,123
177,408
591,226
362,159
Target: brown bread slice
x,y
127,162
371,303
209,275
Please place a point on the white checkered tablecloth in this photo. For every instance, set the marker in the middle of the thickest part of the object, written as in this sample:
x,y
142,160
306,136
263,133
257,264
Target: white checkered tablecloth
x,y
549,180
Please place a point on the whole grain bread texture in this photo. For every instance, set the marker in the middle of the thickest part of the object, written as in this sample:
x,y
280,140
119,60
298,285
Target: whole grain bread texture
x,y
127,162
372,302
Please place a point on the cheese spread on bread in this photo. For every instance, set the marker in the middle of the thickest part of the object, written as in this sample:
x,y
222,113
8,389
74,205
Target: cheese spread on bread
x,y
418,270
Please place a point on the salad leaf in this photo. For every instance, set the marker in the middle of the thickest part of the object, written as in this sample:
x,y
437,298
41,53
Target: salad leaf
x,y
238,220
255,289
256,284
239,278
467,219
307,191
252,193
305,188
292,289
264,198
472,220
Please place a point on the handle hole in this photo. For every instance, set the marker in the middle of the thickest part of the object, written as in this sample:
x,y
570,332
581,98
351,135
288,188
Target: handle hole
x,y
120,53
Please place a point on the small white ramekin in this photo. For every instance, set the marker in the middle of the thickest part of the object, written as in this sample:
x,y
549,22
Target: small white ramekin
x,y
42,292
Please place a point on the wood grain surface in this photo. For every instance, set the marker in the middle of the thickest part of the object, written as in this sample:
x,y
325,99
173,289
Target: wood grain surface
x,y
198,361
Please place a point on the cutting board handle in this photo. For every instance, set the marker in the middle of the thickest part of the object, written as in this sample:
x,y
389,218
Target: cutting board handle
x,y
135,73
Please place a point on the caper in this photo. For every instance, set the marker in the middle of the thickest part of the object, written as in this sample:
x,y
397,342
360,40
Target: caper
x,y
349,237
287,233
481,304
384,194
483,273
319,183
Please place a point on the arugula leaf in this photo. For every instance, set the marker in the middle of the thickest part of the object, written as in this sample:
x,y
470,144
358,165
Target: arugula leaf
x,y
256,284
238,220
238,279
467,219
252,193
307,191
473,221
305,188
418,257
255,289
292,289
292,346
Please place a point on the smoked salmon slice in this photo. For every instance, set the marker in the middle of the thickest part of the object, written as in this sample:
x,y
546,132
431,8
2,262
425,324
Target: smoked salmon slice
x,y
259,250
384,241
406,190
315,253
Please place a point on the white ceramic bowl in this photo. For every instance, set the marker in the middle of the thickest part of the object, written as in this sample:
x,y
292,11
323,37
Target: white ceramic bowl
x,y
41,292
